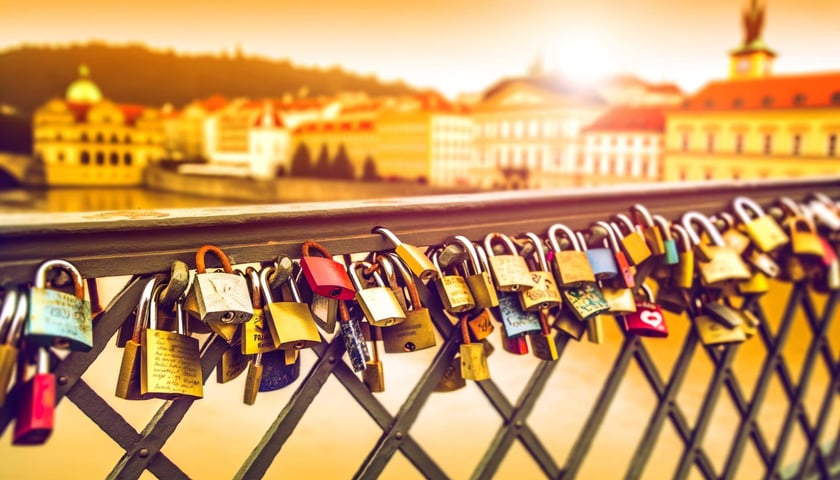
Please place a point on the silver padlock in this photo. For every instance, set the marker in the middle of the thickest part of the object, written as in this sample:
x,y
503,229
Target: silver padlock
x,y
379,304
220,296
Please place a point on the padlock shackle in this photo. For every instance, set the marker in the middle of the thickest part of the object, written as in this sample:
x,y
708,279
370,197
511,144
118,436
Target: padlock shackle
x,y
388,234
796,222
584,245
465,333
200,266
490,237
253,277
153,307
264,285
679,232
623,220
308,245
18,320
482,257
142,318
641,216
7,311
740,206
645,288
539,250
179,281
610,235
789,207
695,217
78,283
353,273
470,250
181,324
42,364
567,232
435,262
408,280
664,226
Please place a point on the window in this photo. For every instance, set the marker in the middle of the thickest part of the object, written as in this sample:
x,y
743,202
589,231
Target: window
x,y
797,144
767,102
708,175
84,137
60,157
710,103
100,138
84,158
58,137
799,99
832,145
738,103
127,159
114,138
768,144
710,143
835,98
114,158
100,158
127,139
739,143
684,142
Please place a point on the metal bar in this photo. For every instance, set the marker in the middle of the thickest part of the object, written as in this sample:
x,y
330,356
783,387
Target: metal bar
x,y
113,243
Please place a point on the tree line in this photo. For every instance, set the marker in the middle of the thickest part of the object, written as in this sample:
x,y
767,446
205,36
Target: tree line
x,y
338,167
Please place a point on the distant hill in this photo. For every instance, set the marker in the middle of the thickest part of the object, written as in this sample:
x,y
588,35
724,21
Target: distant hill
x,y
31,75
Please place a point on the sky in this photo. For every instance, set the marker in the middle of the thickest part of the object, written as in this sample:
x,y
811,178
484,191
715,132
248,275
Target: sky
x,y
455,46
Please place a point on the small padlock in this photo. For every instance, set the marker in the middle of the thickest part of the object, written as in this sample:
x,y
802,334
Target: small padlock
x,y
56,318
419,264
416,332
473,357
480,323
478,278
626,272
253,380
277,372
128,380
543,343
373,375
712,332
231,364
378,303
324,310
325,276
36,402
620,299
354,341
571,267
756,285
569,324
601,259
452,289
721,312
671,255
595,329
170,362
684,269
648,319
672,298
762,262
515,320
763,229
220,296
804,239
632,241
451,379
509,271
290,322
586,301
716,261
384,265
544,294
256,333
645,223
732,235
12,318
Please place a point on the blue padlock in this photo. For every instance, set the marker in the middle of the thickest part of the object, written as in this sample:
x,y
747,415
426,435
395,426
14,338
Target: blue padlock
x,y
671,256
601,259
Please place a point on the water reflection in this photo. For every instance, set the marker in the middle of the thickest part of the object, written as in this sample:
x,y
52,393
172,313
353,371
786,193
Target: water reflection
x,y
55,200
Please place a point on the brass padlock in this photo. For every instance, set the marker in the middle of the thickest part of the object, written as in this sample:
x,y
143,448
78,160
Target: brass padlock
x,y
763,230
672,298
220,296
256,334
477,277
545,294
724,263
451,379
650,230
170,363
231,364
452,289
732,235
569,324
586,301
571,267
480,323
416,332
542,343
12,318
384,265
632,241
414,258
756,285
712,332
56,318
473,357
595,329
373,375
253,380
290,322
620,299
277,372
128,380
378,302
509,271
684,269
804,239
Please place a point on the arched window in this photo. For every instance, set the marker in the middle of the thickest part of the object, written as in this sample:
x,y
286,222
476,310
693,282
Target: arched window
x,y
767,102
738,102
100,158
127,139
835,98
127,159
114,158
799,99
84,157
84,137
114,138
100,138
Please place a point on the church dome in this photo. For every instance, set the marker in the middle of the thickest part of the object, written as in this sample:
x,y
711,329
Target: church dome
x,y
83,90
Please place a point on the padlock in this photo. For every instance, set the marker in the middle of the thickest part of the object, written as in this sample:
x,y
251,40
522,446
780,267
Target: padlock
x,y
804,239
378,303
601,259
626,272
720,311
645,223
373,375
478,278
825,211
253,380
256,333
544,294
221,297
542,343
414,258
585,301
762,229
684,269
451,379
277,373
620,300
128,381
756,285
354,341
509,271
452,289
632,241
712,332
762,262
569,324
56,318
671,255
648,319
384,265
829,275
326,277
12,318
515,321
672,298
595,329
571,267
480,323
290,322
36,402
515,344
473,357
324,309
170,363
732,235
231,364
723,263
416,332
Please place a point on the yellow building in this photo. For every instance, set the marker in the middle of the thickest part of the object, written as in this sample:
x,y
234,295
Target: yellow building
x,y
756,124
358,137
85,139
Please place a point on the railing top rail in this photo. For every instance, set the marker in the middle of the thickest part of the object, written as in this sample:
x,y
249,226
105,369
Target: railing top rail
x,y
123,242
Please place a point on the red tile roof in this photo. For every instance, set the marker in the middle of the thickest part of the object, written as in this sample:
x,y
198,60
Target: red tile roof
x,y
79,111
214,102
131,112
337,125
817,90
629,119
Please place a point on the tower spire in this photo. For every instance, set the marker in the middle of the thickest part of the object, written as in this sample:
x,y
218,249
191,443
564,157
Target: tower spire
x,y
752,59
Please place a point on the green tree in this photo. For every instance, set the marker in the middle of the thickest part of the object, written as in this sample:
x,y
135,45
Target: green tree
x,y
342,168
369,172
322,166
301,162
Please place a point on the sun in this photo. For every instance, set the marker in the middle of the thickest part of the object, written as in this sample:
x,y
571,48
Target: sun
x,y
583,54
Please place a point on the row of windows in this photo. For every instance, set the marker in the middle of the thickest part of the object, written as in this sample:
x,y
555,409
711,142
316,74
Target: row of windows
x,y
100,158
766,144
100,138
527,128
647,166
768,101
615,140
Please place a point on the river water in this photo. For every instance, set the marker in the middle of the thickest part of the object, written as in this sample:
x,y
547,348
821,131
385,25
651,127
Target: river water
x,y
454,428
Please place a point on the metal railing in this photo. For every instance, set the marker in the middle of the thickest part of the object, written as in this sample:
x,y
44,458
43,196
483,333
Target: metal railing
x,y
141,243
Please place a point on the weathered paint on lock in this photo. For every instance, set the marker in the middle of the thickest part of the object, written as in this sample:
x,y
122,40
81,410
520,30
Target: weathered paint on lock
x,y
276,374
54,314
516,321
585,301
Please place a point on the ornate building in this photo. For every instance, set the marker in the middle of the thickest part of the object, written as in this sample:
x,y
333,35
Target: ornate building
x,y
85,139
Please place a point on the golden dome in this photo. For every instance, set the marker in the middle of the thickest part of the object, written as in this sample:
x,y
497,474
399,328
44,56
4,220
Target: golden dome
x,y
83,90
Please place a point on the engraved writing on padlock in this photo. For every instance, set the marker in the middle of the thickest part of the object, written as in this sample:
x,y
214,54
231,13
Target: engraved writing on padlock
x,y
378,303
509,271
452,289
220,296
416,332
478,279
276,372
57,318
571,267
545,293
515,320
256,334
480,323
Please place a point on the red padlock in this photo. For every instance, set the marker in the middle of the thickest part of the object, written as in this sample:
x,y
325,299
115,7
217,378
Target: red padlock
x,y
36,404
648,319
325,276
517,344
